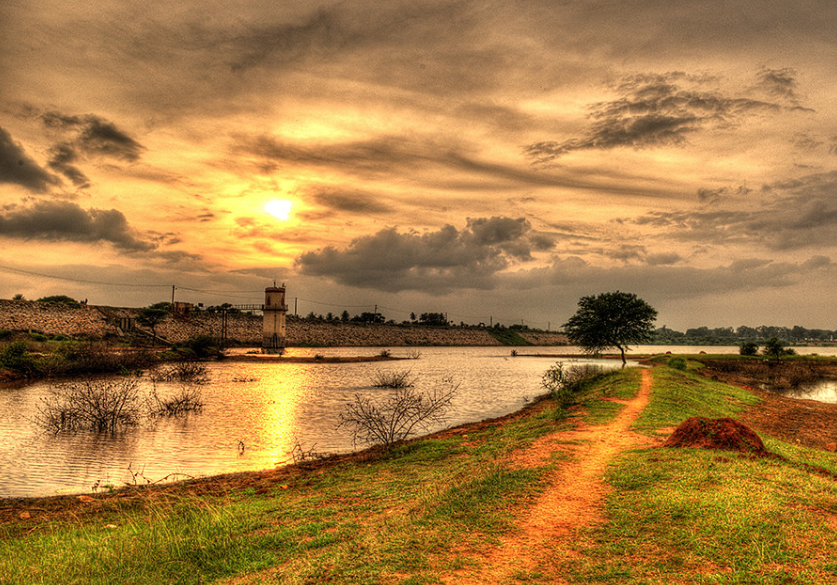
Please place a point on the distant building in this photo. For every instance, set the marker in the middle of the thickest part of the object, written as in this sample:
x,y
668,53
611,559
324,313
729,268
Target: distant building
x,y
275,312
181,308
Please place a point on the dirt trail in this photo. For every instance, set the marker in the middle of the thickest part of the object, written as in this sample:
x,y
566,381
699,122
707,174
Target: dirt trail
x,y
573,498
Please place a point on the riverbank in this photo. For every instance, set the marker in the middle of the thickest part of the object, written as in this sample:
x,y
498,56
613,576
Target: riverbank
x,y
443,509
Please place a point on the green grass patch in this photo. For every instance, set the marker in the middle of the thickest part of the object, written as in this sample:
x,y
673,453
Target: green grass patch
x,y
508,337
699,516
678,395
702,516
594,395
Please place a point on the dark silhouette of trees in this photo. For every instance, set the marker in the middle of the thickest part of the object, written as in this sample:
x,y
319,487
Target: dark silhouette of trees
x,y
433,319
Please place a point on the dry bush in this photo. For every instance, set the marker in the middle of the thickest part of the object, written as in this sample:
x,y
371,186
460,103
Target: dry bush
x,y
189,371
393,379
564,382
105,405
401,413
187,399
110,405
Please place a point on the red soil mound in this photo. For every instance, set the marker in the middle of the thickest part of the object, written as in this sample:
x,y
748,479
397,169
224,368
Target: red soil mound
x,y
719,433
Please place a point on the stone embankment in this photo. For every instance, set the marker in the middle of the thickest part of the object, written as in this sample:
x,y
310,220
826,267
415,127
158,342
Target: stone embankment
x,y
99,322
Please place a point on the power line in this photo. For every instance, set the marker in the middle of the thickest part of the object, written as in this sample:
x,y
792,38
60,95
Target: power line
x,y
81,280
334,305
239,293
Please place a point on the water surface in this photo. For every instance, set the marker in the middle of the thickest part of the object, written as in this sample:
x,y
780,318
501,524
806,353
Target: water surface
x,y
254,415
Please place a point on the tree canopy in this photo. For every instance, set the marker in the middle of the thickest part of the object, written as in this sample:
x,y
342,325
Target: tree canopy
x,y
613,319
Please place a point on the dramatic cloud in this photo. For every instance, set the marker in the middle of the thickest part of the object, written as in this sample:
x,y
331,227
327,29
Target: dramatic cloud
x,y
780,82
17,168
420,159
63,155
95,136
440,261
683,151
668,282
286,43
352,202
654,111
57,221
798,214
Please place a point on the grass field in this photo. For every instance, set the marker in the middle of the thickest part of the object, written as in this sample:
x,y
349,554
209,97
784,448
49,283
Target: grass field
x,y
426,509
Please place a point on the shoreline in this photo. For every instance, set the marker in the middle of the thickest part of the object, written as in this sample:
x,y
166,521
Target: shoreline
x,y
10,506
278,359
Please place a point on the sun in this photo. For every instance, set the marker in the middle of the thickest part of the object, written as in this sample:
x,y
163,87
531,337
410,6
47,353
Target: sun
x,y
278,208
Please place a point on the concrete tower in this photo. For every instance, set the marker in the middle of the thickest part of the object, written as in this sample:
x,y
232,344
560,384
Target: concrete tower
x,y
275,311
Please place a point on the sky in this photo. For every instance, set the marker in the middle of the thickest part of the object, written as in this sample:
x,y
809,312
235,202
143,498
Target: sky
x,y
494,161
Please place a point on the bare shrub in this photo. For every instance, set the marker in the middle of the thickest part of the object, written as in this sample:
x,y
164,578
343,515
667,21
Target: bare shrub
x,y
300,455
189,371
393,379
104,405
401,413
110,405
187,399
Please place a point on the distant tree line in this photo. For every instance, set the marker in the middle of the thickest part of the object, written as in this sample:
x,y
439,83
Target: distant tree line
x,y
734,336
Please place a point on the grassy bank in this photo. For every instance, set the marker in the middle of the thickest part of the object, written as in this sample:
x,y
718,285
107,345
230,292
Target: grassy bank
x,y
429,508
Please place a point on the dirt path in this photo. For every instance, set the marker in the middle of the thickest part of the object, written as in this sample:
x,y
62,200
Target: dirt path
x,y
573,498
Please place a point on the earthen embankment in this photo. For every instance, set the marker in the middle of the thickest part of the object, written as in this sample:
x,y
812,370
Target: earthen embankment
x,y
246,329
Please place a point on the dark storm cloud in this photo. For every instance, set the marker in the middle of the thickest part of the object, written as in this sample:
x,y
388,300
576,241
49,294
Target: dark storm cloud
x,y
61,159
439,261
710,196
95,136
65,221
654,110
17,168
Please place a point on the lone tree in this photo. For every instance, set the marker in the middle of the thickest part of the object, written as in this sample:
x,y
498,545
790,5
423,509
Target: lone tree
x,y
153,316
612,319
776,348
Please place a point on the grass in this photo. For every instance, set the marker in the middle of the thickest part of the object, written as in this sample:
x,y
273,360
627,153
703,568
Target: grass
x,y
508,337
678,395
693,516
429,507
699,516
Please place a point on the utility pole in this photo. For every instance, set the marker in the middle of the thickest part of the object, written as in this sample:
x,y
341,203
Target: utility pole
x,y
172,298
295,300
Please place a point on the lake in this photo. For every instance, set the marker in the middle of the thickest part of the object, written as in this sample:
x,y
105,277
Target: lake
x,y
254,415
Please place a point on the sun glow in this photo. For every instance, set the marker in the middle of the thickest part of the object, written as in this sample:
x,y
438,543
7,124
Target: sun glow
x,y
278,208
